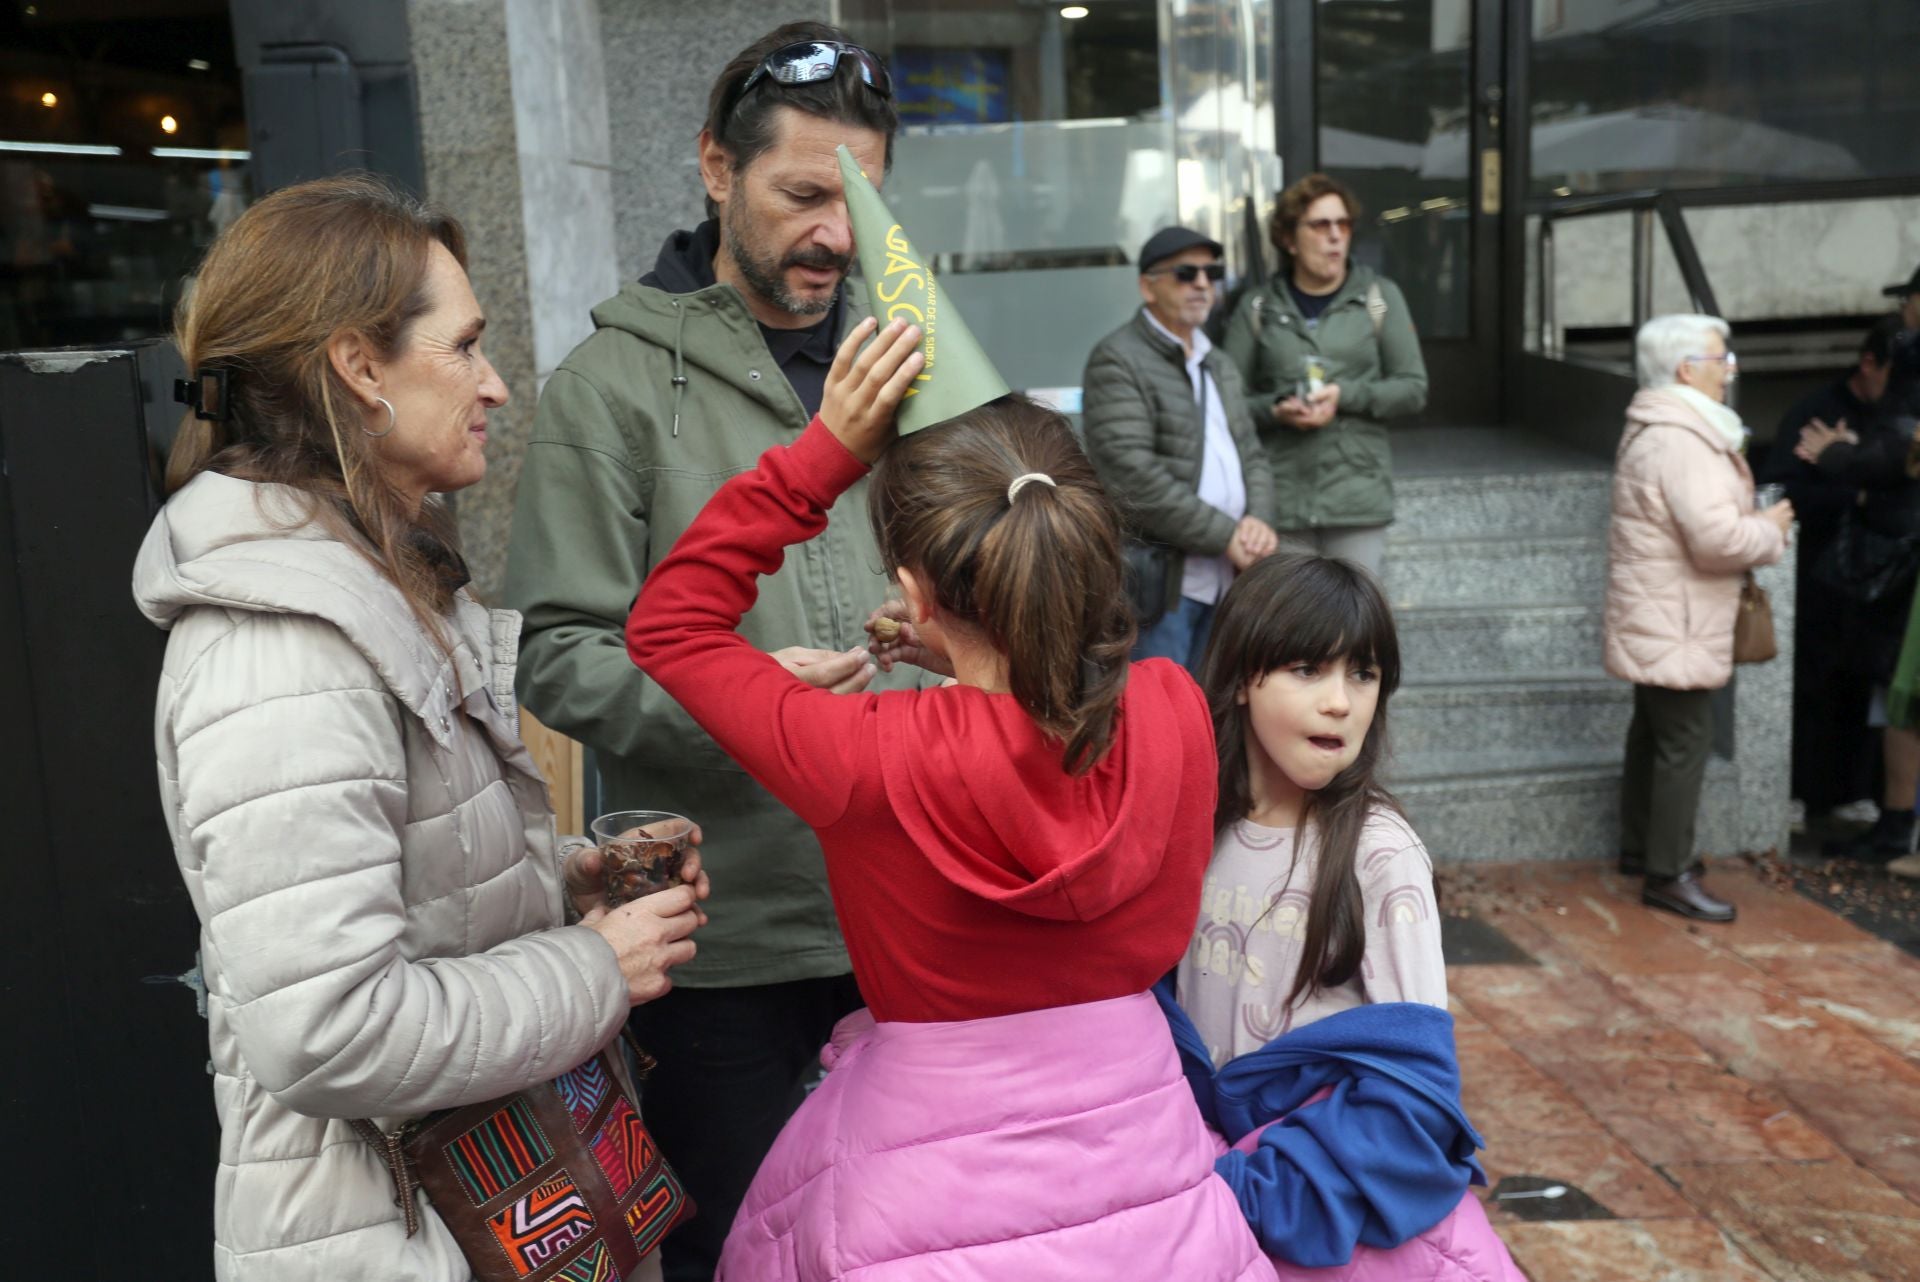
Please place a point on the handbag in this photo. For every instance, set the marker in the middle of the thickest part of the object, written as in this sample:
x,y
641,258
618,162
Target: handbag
x,y
1866,566
560,1181
1753,639
1149,577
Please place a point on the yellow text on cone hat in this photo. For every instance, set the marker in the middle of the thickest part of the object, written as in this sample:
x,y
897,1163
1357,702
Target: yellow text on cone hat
x,y
957,375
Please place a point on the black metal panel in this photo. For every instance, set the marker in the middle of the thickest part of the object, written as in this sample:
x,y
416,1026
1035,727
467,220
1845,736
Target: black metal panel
x,y
106,1061
329,87
1579,404
1295,122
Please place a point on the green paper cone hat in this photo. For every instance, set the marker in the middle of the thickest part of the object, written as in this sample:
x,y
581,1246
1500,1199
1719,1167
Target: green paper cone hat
x,y
957,376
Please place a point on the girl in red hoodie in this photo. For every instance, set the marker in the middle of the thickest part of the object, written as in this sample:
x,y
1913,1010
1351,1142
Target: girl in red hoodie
x,y
1031,836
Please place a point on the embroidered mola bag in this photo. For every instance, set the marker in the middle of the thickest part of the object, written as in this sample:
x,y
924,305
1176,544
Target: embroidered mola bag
x,y
558,1182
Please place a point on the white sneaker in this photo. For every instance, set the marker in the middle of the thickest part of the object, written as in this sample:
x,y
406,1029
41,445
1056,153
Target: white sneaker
x,y
1862,811
1905,866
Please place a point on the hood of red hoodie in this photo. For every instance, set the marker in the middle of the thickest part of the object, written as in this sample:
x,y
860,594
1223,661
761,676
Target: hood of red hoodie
x,y
984,795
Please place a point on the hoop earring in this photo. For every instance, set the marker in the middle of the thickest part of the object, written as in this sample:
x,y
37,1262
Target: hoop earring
x,y
390,419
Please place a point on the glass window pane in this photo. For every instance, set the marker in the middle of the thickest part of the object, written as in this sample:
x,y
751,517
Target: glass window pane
x,y
1631,94
1035,157
122,153
1393,87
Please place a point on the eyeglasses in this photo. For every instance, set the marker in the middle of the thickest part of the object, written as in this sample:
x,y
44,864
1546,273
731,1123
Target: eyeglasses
x,y
1728,359
1187,273
810,62
1325,226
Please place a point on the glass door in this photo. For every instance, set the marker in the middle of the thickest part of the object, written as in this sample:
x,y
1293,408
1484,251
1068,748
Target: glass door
x,y
1407,112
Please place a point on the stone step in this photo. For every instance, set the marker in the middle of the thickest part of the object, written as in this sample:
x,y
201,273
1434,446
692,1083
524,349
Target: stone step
x,y
1546,570
1554,812
1451,507
1476,642
1529,716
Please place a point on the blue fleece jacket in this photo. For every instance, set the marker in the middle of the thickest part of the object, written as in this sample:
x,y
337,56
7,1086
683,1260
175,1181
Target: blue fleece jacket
x,y
1383,1158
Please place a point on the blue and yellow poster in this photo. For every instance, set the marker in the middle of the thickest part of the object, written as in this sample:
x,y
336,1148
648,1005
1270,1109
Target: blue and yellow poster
x,y
951,86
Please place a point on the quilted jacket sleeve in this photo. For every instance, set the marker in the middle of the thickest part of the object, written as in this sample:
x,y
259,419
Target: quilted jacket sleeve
x,y
1118,425
292,772
1720,535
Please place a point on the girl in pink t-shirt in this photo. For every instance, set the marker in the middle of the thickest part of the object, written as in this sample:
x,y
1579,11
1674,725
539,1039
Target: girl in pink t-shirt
x,y
1310,1008
1319,897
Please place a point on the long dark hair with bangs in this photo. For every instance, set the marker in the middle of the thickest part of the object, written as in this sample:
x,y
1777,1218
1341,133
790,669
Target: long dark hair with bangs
x,y
1291,609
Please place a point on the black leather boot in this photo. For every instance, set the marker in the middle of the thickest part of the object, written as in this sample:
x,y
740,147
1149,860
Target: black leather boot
x,y
1890,837
1685,895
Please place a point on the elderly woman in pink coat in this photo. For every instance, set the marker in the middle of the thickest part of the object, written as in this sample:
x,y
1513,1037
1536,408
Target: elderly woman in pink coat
x,y
1684,534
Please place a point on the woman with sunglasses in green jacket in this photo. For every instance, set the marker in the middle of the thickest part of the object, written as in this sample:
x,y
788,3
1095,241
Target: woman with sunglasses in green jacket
x,y
1328,353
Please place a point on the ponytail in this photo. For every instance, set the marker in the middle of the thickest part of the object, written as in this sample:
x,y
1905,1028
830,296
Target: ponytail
x,y
1035,567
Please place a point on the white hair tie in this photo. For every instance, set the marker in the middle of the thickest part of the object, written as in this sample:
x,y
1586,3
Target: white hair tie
x,y
1028,478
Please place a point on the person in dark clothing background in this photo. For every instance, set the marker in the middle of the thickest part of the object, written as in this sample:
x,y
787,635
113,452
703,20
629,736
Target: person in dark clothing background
x,y
1831,760
1876,460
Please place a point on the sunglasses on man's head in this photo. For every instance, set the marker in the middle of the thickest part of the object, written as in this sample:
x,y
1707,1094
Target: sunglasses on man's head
x,y
809,63
1187,273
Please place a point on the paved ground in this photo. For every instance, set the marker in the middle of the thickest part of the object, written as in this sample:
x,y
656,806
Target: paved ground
x,y
1720,1103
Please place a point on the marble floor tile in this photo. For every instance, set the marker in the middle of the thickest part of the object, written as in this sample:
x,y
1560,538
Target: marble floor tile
x,y
1628,1251
1885,1006
1505,1095
1533,1001
1809,1221
1764,1031
1876,1120
1595,1163
1683,1111
1612,932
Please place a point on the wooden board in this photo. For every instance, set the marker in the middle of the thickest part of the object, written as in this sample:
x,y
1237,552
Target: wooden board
x,y
559,759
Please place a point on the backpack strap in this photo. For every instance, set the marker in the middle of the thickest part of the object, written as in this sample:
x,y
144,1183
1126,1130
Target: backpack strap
x,y
1376,307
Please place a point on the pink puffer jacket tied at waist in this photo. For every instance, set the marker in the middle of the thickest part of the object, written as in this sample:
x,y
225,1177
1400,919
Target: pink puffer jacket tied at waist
x,y
1684,532
1058,1144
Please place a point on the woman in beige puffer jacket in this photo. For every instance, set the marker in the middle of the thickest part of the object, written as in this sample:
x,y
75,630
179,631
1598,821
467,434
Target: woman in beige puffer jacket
x,y
1684,534
367,843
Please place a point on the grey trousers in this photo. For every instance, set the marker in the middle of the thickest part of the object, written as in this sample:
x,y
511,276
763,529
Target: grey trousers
x,y
1667,746
1364,545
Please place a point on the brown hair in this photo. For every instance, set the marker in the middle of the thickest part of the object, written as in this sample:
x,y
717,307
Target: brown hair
x,y
1039,574
1291,609
342,254
745,124
1292,207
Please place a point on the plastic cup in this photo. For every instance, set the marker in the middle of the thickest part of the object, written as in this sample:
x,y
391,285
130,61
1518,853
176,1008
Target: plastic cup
x,y
641,851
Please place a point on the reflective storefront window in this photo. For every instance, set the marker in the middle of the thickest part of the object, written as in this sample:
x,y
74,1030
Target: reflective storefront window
x,y
122,153
1631,94
1394,100
1043,143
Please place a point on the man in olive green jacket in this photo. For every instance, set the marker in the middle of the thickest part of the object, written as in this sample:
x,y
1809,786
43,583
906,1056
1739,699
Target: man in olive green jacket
x,y
1165,424
1338,476
716,356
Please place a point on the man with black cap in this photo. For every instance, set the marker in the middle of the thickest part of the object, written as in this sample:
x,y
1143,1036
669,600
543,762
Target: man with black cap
x,y
1167,428
1903,389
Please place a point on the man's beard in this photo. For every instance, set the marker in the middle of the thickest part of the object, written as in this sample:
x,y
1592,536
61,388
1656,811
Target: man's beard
x,y
766,274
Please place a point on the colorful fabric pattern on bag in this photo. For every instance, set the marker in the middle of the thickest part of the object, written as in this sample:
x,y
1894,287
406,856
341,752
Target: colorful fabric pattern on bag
x,y
538,1228
624,1149
507,1147
594,1266
649,1218
582,1090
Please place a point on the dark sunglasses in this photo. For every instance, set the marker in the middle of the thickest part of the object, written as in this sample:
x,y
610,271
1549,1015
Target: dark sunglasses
x,y
809,63
1187,273
1325,226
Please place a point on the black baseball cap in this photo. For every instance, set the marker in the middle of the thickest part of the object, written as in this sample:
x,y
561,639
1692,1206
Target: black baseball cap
x,y
1168,241
1911,286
